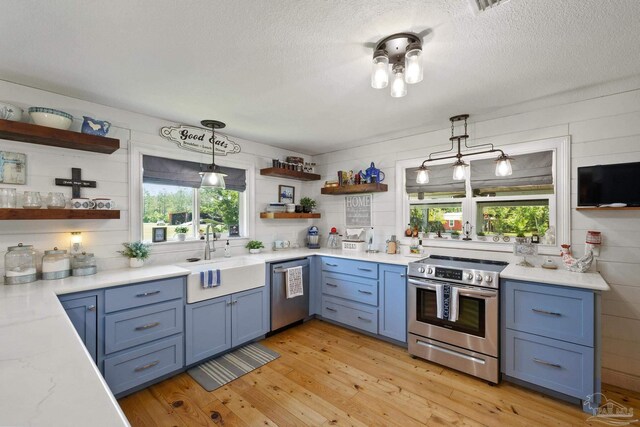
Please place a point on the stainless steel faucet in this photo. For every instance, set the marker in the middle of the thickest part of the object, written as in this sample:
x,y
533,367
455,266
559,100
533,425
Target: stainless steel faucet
x,y
207,247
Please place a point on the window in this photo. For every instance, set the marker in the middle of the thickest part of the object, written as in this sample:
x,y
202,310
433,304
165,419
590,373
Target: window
x,y
172,198
530,201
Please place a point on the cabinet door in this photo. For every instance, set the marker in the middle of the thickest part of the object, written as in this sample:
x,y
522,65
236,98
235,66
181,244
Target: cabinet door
x,y
208,329
249,313
392,320
83,314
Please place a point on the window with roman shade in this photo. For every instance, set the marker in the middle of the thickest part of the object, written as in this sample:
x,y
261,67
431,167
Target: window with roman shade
x,y
440,183
531,172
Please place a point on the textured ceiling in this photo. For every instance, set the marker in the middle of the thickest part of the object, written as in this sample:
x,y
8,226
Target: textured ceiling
x,y
295,73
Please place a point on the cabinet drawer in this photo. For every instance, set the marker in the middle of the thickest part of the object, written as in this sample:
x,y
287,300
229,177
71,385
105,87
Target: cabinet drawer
x,y
351,288
350,313
143,294
560,366
550,311
349,266
137,326
143,364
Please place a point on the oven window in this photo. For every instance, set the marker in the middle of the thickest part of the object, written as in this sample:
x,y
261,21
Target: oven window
x,y
471,313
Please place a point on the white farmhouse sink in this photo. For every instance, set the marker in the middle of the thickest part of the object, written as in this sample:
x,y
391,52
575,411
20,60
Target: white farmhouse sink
x,y
236,275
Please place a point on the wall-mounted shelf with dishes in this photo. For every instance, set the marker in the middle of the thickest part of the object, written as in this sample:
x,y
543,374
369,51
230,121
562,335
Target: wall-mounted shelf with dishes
x,y
290,174
42,135
355,189
28,214
288,215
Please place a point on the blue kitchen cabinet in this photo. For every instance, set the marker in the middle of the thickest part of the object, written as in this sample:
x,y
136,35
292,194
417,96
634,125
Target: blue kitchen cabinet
x,y
392,316
249,315
208,329
82,310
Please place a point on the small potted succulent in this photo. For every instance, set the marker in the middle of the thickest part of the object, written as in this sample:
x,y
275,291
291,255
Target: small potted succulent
x,y
181,232
254,246
455,234
137,252
308,204
481,235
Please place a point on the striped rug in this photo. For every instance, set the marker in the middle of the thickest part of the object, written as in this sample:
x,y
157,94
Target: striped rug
x,y
224,369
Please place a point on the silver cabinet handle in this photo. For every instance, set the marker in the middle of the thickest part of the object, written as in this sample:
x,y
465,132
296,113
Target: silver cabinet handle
x,y
544,362
331,265
364,319
549,313
147,294
330,309
365,292
364,269
147,326
230,302
147,366
91,308
279,270
235,302
331,284
403,275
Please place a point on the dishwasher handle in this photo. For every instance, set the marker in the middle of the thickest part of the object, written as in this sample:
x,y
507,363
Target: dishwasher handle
x,y
277,269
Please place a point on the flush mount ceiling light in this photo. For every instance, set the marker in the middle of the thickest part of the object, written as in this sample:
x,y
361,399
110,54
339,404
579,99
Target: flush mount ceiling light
x,y
503,162
212,176
402,53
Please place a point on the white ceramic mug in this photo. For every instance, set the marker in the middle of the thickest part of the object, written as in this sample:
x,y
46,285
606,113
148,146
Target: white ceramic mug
x,y
291,207
104,203
82,203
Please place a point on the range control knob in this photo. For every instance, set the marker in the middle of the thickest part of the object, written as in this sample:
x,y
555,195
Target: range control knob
x,y
488,279
420,269
479,277
429,270
469,276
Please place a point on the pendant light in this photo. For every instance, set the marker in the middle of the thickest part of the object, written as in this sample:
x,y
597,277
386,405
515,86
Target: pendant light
x,y
402,52
398,85
213,177
380,70
503,162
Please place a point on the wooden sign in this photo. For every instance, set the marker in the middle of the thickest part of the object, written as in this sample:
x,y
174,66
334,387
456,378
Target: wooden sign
x,y
76,182
199,140
358,210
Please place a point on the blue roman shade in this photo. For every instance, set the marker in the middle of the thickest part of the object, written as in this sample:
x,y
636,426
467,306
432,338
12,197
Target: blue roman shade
x,y
160,170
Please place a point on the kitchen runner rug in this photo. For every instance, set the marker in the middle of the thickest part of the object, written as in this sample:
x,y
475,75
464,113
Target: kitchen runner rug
x,y
222,370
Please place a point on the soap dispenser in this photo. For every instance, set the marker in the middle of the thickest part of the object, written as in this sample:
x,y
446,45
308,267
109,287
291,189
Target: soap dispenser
x,y
227,250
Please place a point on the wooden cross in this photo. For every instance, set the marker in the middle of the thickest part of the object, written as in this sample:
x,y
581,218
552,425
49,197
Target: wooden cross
x,y
75,182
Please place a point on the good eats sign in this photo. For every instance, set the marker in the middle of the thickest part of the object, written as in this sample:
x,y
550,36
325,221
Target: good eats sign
x,y
198,139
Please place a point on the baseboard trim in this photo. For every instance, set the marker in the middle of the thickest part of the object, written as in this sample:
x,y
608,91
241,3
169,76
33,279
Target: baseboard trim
x,y
620,379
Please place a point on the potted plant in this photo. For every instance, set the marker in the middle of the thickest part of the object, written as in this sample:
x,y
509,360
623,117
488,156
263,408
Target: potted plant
x,y
254,246
137,252
520,237
481,235
181,231
455,234
308,204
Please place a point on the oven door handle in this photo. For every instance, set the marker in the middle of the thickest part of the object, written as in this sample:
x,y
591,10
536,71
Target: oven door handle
x,y
462,290
422,284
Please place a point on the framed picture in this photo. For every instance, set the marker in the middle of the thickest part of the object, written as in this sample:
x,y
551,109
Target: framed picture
x,y
159,234
234,230
286,194
13,168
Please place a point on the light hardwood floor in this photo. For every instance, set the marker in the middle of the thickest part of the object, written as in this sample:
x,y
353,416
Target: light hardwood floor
x,y
328,375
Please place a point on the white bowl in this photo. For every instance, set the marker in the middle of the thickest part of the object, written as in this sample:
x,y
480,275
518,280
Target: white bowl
x,y
51,118
10,112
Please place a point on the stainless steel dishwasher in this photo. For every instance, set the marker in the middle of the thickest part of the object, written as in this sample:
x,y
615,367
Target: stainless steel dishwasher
x,y
285,311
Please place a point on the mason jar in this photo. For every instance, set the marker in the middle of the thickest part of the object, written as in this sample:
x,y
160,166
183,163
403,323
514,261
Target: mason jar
x,y
56,264
20,265
83,264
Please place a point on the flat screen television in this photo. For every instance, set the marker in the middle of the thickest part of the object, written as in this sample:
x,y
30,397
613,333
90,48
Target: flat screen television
x,y
606,184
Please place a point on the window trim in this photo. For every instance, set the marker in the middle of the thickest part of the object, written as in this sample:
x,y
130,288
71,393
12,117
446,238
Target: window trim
x,y
136,204
559,210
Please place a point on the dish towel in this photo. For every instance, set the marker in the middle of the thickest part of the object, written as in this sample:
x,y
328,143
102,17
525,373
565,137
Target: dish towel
x,y
446,302
439,304
453,304
294,282
210,278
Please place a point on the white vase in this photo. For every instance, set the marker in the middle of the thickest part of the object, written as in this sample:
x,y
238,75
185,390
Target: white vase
x,y
136,262
254,251
182,236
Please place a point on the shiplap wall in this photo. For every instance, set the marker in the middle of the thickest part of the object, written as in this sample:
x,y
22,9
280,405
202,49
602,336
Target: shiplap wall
x,y
604,129
104,237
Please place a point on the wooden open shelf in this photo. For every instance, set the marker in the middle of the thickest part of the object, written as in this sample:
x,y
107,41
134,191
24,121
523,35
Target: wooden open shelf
x,y
43,213
355,189
288,215
289,174
42,135
595,208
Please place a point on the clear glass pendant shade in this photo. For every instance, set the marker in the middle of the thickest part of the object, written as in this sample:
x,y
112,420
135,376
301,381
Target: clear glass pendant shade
x,y
413,64
423,176
398,85
380,71
503,166
459,170
212,179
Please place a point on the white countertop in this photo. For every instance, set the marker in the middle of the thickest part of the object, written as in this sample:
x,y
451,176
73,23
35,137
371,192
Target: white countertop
x,y
591,281
47,376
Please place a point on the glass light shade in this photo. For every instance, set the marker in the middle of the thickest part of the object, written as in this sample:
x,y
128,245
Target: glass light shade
x,y
413,64
76,242
503,166
212,179
423,176
380,72
398,85
459,170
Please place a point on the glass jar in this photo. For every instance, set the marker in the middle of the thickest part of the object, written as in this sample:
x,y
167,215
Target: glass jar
x,y
20,265
83,264
56,264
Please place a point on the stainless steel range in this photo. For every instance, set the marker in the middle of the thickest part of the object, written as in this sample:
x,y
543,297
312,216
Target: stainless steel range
x,y
453,313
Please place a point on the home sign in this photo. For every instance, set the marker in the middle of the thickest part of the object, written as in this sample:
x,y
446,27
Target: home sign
x,y
198,139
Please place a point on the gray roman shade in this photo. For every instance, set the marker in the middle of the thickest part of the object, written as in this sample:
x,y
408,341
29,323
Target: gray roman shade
x,y
533,169
440,180
159,170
